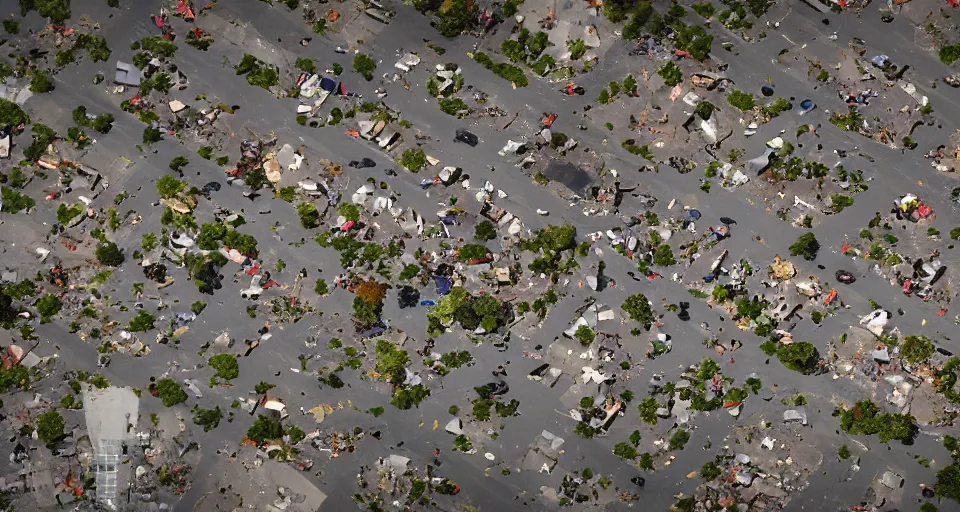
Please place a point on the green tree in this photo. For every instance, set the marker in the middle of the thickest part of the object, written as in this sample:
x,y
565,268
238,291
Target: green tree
x,y
142,322
262,387
177,164
48,306
485,230
671,73
321,287
167,185
663,256
710,471
50,427
170,392
584,335
638,308
265,429
843,452
209,419
799,356
742,100
108,253
309,215
226,367
413,159
916,349
364,65
625,451
806,246
648,410
679,439
40,82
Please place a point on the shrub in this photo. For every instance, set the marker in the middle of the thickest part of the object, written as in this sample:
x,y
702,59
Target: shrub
x,y
108,253
309,215
470,252
50,427
799,356
142,322
170,392
742,100
843,452
40,82
663,256
503,70
485,230
806,246
226,367
949,53
638,308
955,234
916,349
671,73
584,335
48,306
679,439
625,451
710,471
413,160
265,429
364,65
840,202
321,287
865,418
648,410
209,419
577,48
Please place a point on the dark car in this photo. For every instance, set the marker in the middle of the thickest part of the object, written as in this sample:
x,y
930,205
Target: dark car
x,y
466,138
845,277
362,164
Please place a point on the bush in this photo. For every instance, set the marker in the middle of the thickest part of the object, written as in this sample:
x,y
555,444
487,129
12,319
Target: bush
x,y
309,215
226,366
503,70
843,452
207,418
577,48
742,100
671,73
663,256
170,392
648,410
413,160
50,427
109,254
457,18
305,64
265,429
625,451
470,252
584,335
806,246
142,322
679,439
955,234
40,82
840,201
638,308
365,65
799,356
321,287
485,230
949,53
48,306
454,107
948,482
916,349
865,418
710,471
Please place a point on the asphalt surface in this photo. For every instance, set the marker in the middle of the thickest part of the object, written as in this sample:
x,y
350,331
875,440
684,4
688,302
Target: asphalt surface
x,y
895,173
